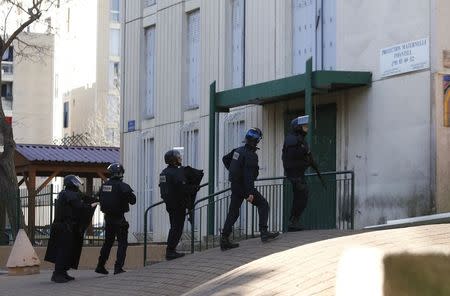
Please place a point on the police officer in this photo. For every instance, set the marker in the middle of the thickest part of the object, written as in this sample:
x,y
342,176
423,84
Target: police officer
x,y
115,198
65,228
243,168
175,192
297,158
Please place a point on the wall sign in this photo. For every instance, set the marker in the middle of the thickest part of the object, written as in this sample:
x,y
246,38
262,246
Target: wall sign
x,y
405,57
131,125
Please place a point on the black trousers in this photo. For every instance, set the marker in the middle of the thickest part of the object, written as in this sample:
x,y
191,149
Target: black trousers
x,y
115,228
176,216
300,200
237,197
64,254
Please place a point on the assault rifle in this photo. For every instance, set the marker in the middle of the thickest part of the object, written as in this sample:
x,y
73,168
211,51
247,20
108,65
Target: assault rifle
x,y
314,166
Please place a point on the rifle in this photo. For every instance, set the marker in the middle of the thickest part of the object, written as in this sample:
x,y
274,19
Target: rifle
x,y
313,164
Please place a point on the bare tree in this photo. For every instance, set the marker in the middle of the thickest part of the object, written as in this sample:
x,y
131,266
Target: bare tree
x,y
30,12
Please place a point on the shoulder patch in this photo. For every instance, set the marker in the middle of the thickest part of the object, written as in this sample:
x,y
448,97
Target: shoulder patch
x,y
162,179
236,155
107,188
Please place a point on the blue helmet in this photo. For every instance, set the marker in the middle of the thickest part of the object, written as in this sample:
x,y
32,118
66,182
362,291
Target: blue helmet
x,y
299,121
116,170
72,181
253,136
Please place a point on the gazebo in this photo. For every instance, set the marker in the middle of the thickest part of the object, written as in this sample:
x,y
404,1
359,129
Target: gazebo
x,y
50,161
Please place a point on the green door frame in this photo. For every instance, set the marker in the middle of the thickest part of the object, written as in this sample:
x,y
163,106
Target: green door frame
x,y
270,92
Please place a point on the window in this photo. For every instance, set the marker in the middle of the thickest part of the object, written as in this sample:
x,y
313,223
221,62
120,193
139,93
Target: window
x,y
7,90
190,144
113,111
56,85
66,115
148,165
115,10
114,75
149,71
114,42
238,43
193,60
314,34
68,20
148,3
8,55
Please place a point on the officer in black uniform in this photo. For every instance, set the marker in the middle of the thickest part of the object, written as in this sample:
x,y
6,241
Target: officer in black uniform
x,y
175,192
242,164
297,158
115,198
65,227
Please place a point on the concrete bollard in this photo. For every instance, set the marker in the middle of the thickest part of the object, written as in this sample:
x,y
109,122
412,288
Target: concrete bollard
x,y
23,259
372,272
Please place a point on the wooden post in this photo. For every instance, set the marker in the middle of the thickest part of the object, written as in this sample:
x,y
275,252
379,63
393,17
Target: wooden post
x,y
31,203
89,191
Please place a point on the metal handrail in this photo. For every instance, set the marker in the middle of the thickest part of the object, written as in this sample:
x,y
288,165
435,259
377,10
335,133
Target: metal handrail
x,y
192,212
146,222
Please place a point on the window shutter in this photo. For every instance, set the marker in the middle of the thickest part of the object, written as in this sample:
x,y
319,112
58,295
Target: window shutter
x,y
193,59
238,36
150,70
304,33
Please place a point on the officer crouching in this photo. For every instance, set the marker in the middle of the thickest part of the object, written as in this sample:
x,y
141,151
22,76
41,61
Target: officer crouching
x,y
115,198
175,192
65,242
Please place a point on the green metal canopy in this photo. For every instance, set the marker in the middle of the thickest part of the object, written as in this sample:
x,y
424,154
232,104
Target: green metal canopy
x,y
302,85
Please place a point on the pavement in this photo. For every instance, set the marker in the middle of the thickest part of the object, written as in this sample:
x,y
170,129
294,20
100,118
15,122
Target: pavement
x,y
301,263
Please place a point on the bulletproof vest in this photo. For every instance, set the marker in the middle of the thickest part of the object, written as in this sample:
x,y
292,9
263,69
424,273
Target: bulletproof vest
x,y
172,184
243,158
64,212
295,153
113,199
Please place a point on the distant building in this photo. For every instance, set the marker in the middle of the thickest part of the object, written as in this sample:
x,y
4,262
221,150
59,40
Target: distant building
x,y
87,71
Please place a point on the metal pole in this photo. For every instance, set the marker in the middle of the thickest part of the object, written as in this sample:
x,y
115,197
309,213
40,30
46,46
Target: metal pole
x,y
353,201
309,100
212,147
145,236
193,230
51,204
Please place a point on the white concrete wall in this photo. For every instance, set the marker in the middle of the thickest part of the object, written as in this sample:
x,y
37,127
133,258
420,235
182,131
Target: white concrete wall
x,y
33,92
383,132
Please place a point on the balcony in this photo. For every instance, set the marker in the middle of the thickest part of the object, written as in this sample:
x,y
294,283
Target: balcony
x,y
7,71
7,103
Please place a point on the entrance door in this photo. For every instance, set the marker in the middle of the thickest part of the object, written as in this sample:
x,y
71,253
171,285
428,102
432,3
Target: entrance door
x,y
320,212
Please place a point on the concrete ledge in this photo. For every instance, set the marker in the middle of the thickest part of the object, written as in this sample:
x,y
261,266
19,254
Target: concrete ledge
x,y
416,221
371,272
89,256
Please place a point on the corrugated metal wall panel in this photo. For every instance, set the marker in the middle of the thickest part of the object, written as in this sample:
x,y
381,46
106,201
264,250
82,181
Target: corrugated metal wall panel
x,y
133,9
260,41
131,157
209,40
132,75
169,64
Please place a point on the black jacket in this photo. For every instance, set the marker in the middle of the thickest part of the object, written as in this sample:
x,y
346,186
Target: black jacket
x,y
242,164
73,214
296,155
115,197
175,188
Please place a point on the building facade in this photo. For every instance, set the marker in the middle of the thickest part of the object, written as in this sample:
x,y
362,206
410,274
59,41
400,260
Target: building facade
x,y
391,133
87,71
27,86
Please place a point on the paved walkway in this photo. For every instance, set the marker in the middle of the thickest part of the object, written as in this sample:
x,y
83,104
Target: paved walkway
x,y
302,263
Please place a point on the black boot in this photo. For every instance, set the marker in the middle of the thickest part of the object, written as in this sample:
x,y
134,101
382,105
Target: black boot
x,y
70,278
293,224
267,236
118,270
101,269
59,278
173,254
226,244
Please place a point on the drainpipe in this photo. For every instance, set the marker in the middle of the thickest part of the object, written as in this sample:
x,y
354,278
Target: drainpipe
x,y
309,100
212,150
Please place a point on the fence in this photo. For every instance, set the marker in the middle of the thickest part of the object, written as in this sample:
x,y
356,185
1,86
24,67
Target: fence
x,y
329,207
